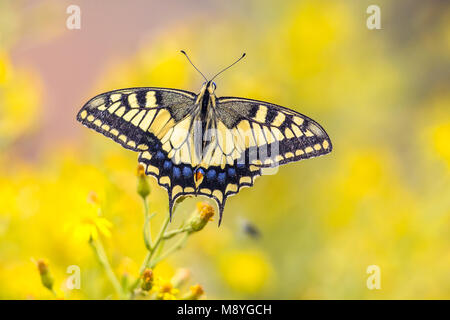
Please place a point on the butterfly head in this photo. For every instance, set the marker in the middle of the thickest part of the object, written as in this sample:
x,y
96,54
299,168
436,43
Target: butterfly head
x,y
208,86
211,87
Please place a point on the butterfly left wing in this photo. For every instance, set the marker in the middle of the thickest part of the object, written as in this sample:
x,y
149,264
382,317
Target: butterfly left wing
x,y
143,120
137,118
157,123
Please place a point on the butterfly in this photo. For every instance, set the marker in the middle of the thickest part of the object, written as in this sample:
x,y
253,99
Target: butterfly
x,y
201,144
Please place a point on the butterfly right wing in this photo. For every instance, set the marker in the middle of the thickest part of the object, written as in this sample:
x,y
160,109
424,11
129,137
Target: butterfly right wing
x,y
253,136
272,135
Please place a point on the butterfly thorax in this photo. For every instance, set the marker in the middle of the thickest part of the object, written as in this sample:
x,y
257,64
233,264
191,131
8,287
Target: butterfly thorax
x,y
204,119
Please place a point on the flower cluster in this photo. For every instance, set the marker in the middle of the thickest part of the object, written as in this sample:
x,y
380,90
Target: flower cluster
x,y
201,216
159,288
93,226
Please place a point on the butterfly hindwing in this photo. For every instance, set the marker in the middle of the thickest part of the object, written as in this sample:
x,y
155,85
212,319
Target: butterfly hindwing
x,y
182,179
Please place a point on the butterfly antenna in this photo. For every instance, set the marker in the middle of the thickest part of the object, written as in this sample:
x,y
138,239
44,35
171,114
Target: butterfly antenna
x,y
182,51
243,55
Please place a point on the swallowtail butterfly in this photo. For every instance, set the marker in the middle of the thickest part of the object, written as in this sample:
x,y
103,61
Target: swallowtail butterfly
x,y
200,144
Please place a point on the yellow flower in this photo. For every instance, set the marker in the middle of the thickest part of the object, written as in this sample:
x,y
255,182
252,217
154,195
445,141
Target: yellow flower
x,y
90,228
167,296
206,211
194,293
201,216
4,67
90,224
20,96
440,141
164,290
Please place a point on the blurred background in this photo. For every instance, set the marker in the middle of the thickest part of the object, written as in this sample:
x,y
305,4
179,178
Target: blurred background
x,y
382,197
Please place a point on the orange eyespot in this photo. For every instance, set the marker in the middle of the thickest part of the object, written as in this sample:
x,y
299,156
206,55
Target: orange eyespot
x,y
198,176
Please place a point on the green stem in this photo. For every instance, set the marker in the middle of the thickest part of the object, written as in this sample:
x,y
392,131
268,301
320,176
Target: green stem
x,y
99,251
169,251
154,250
147,229
157,243
151,251
172,233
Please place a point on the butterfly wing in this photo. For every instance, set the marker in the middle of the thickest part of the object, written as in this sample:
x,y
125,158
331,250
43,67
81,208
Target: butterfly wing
x,y
249,136
143,120
277,135
253,135
136,118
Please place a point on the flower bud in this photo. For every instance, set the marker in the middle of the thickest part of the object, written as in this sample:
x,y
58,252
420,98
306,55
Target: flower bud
x,y
93,198
143,187
46,277
201,216
195,292
147,280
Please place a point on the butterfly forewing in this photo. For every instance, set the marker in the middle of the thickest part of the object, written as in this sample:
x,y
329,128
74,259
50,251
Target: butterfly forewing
x,y
273,135
142,119
137,117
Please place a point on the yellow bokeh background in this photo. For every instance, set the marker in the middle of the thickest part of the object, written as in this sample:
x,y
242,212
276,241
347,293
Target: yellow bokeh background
x,y
382,197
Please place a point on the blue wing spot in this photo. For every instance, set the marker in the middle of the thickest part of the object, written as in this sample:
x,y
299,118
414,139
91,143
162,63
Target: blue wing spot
x,y
167,165
211,175
187,172
240,166
221,177
231,172
176,172
160,155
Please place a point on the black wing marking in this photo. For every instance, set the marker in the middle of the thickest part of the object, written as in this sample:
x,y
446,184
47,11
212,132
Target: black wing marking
x,y
276,135
182,179
136,117
146,119
252,135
